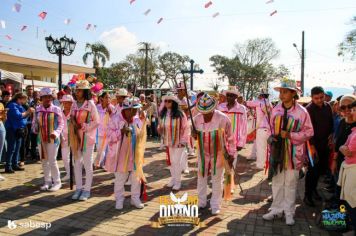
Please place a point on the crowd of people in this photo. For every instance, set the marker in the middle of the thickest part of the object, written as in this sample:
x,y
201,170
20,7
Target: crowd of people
x,y
291,140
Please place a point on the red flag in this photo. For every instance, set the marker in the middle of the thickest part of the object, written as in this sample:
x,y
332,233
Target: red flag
x,y
24,27
8,37
147,12
160,20
208,4
274,12
132,1
216,14
17,7
43,15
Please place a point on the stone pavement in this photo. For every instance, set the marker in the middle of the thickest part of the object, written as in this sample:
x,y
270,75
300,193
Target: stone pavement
x,y
21,200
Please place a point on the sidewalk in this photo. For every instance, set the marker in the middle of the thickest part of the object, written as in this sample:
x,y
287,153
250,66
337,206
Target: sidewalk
x,y
21,200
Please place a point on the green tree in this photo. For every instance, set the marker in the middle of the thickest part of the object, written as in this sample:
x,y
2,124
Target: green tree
x,y
98,52
118,75
169,66
250,68
348,46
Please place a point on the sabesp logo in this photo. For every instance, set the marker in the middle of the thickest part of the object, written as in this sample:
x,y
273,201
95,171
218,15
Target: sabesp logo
x,y
11,224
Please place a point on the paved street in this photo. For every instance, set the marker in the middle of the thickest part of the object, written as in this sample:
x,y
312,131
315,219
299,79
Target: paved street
x,y
21,200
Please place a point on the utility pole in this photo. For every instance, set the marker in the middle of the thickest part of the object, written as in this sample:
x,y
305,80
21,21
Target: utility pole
x,y
302,66
146,49
191,72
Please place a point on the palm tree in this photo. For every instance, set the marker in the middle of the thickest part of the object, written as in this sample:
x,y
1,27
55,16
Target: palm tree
x,y
99,53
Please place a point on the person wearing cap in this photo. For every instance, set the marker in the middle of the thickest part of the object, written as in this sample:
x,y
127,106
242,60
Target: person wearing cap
x,y
48,124
238,116
105,109
67,102
183,104
85,120
126,145
263,130
291,128
121,94
215,139
328,96
174,131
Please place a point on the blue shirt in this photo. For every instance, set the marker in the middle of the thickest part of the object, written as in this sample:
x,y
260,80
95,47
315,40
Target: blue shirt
x,y
14,119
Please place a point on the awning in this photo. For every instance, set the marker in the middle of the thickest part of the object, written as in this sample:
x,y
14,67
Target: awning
x,y
39,84
8,75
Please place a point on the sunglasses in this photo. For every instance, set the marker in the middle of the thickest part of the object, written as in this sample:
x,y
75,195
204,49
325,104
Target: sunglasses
x,y
167,101
344,107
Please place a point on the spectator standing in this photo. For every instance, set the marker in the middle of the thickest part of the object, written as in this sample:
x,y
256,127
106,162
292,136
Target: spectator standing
x,y
321,116
16,130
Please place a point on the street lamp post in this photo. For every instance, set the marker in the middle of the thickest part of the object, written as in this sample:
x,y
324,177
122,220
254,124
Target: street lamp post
x,y
63,46
302,57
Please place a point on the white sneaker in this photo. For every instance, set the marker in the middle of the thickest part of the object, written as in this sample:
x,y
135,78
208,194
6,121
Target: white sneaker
x,y
137,203
290,220
2,178
272,215
84,196
186,171
170,184
215,212
66,178
119,205
55,187
77,194
44,187
176,187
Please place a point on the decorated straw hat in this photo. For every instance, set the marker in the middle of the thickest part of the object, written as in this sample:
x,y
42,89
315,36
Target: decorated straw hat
x,y
67,98
287,84
206,104
133,102
122,93
171,96
82,84
232,89
46,92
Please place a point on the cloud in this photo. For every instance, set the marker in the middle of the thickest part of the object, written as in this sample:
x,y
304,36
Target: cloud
x,y
120,42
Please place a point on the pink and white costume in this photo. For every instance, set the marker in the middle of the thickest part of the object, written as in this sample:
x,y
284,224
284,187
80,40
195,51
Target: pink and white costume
x,y
104,119
87,116
65,142
284,183
212,137
48,121
175,138
262,106
238,118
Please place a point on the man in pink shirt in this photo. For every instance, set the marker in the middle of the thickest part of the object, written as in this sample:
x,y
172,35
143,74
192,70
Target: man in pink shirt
x,y
215,141
48,123
263,130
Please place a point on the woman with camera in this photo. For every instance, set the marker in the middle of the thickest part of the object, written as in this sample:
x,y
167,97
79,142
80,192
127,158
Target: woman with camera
x,y
15,130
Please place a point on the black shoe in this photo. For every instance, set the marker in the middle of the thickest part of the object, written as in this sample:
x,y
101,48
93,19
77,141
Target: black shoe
x,y
317,196
19,168
309,201
9,171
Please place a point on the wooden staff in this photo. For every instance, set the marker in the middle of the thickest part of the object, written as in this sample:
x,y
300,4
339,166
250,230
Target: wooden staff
x,y
190,111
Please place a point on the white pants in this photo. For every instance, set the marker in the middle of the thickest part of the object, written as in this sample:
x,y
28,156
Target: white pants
x,y
101,148
253,151
66,159
284,191
184,160
261,147
176,164
119,189
49,165
85,158
217,189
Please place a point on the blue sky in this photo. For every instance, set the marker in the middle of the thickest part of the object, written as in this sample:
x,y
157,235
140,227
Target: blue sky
x,y
189,28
